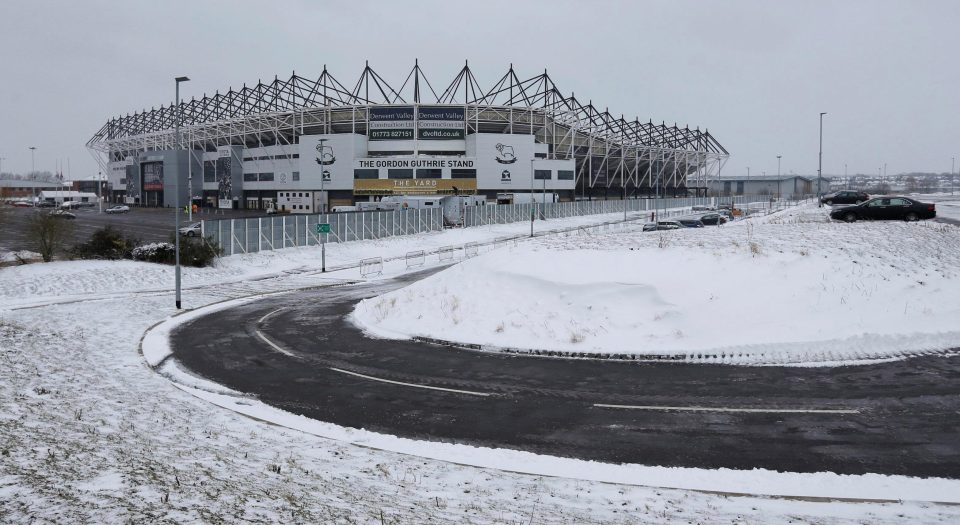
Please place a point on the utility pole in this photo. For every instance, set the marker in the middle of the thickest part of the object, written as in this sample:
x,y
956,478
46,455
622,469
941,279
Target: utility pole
x,y
778,177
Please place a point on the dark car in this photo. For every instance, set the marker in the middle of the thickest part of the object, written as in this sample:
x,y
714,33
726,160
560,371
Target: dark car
x,y
690,222
886,208
709,218
844,197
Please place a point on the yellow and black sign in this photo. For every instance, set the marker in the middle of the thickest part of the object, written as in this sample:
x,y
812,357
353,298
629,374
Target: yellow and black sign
x,y
413,186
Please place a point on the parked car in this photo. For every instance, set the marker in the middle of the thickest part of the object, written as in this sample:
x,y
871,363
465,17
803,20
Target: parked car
x,y
69,205
710,218
62,214
886,208
46,204
120,208
700,207
192,230
662,225
844,197
23,204
690,222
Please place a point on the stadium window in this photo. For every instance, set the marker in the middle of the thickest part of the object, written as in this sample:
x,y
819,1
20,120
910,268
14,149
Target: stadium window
x,y
565,175
399,174
247,159
209,171
541,174
266,177
540,155
429,173
463,173
123,181
249,177
366,174
296,176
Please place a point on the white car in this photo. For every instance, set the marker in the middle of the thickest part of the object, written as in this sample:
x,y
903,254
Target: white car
x,y
192,230
69,205
117,209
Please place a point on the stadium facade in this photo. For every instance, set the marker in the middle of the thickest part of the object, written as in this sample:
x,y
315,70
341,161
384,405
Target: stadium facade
x,y
312,143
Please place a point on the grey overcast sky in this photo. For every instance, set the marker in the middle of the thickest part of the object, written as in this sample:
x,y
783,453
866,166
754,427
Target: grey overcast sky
x,y
755,73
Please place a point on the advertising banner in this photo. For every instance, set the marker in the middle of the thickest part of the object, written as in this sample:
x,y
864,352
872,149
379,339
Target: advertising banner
x,y
440,122
224,172
391,123
152,176
413,186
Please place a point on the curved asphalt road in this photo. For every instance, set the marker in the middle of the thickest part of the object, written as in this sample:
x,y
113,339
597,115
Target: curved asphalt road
x,y
893,418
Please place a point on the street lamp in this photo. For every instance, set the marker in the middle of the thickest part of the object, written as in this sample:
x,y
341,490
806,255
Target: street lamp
x,y
820,164
33,172
99,198
778,178
531,199
176,198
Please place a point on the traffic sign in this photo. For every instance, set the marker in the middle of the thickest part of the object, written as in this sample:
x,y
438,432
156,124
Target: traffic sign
x,y
323,228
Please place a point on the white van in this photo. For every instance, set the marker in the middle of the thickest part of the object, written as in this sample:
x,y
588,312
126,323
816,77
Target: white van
x,y
342,209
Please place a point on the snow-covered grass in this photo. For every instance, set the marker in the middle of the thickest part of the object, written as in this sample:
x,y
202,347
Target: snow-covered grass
x,y
89,433
787,288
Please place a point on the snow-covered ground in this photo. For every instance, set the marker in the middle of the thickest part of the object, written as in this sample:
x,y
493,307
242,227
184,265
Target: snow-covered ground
x,y
789,288
89,433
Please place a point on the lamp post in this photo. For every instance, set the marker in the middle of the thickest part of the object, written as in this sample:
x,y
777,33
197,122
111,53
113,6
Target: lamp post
x,y
176,198
2,158
33,171
99,198
323,176
532,212
953,162
778,177
820,163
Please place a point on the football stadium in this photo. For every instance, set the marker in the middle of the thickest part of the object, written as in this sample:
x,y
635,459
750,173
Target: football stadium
x,y
306,145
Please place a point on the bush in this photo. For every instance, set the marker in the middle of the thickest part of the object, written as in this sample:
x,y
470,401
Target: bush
x,y
105,243
157,252
198,252
193,252
48,233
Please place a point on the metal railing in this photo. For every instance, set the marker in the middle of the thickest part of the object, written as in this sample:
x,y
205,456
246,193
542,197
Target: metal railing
x,y
286,231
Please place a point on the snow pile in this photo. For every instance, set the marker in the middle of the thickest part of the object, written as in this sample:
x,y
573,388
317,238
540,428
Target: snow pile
x,y
787,289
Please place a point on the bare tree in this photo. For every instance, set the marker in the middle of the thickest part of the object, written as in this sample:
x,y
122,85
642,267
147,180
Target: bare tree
x,y
48,233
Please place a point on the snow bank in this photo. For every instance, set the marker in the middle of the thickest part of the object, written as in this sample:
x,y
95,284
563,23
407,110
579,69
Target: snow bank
x,y
790,289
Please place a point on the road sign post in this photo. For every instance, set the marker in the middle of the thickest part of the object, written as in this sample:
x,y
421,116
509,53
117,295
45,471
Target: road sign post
x,y
323,228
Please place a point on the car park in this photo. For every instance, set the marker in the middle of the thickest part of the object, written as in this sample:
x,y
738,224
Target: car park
x,y
844,197
62,214
192,230
886,208
117,209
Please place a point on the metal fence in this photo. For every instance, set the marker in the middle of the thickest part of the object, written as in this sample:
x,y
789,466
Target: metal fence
x,y
286,231
507,213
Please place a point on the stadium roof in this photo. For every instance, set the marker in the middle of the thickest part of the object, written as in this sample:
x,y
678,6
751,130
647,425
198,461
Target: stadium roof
x,y
299,93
